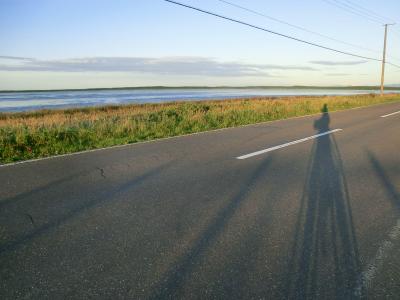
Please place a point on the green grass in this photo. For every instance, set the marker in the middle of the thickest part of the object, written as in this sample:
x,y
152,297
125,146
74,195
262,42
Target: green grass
x,y
46,133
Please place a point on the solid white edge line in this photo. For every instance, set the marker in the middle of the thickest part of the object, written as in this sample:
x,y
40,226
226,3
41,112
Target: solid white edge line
x,y
388,115
287,144
368,275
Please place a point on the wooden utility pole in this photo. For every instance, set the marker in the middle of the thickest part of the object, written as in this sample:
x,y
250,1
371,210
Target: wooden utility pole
x,y
384,60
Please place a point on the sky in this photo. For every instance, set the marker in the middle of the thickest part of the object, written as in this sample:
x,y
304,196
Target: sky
x,y
54,44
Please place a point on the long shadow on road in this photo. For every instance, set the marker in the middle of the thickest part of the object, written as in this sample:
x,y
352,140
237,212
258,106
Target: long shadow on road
x,y
324,261
174,280
386,182
73,209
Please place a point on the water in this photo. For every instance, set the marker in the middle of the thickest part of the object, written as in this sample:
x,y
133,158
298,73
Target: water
x,y
24,101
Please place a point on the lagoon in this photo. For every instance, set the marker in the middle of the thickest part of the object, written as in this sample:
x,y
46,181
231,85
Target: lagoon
x,y
33,100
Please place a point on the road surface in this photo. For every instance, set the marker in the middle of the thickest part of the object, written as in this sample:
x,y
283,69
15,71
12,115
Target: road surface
x,y
301,208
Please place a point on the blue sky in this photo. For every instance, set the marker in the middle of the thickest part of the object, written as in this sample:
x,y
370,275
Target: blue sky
x,y
47,44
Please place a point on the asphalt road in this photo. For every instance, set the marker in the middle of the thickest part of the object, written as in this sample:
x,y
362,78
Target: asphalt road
x,y
183,218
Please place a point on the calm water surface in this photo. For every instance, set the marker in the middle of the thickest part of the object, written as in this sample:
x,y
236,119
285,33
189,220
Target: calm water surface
x,y
23,101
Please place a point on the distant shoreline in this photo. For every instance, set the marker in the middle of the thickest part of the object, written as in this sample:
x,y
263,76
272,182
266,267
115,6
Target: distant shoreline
x,y
64,99
391,88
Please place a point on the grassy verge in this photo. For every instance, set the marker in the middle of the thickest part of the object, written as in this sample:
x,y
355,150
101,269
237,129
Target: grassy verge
x,y
45,133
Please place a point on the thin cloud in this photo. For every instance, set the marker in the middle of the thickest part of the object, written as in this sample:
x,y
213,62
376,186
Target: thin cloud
x,y
337,74
14,57
338,63
166,65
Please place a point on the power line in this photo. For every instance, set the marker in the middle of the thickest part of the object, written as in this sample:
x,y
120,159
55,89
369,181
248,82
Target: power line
x,y
352,7
302,28
392,64
369,11
277,33
397,34
359,12
270,31
352,11
297,27
389,63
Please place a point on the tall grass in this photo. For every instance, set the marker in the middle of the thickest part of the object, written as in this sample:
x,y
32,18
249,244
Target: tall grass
x,y
45,133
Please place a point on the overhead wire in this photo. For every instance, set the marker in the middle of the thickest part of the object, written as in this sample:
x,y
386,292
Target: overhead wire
x,y
352,7
369,11
352,11
359,12
301,28
275,33
363,12
297,27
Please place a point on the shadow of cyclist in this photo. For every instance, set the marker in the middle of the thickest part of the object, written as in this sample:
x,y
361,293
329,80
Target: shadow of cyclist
x,y
324,262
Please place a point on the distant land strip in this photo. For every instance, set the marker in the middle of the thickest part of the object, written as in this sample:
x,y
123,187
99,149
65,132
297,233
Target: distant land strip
x,y
364,87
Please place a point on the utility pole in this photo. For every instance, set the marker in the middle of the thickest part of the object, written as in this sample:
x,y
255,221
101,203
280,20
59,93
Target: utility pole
x,y
384,60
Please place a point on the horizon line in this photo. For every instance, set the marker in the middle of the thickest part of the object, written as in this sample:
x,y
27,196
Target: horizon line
x,y
389,86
